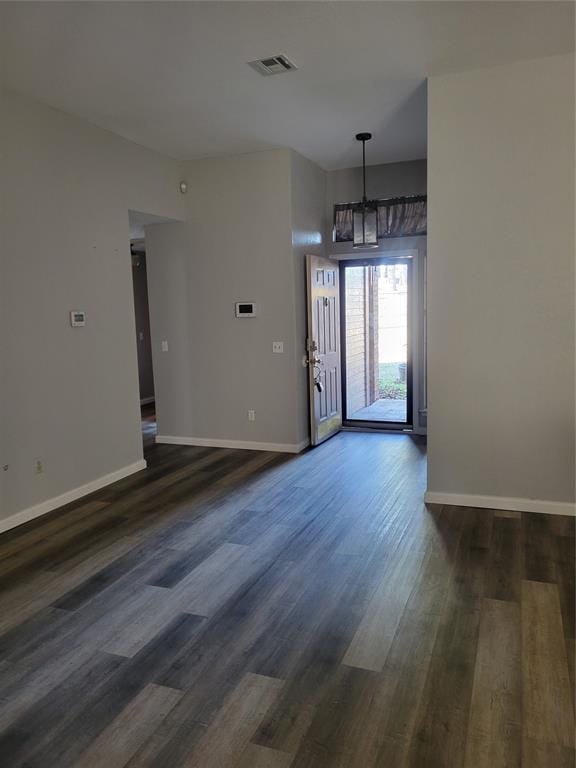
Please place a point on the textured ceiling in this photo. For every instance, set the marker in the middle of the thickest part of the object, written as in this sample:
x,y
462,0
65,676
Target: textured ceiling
x,y
173,76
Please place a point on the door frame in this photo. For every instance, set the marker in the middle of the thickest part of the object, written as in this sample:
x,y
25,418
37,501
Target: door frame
x,y
374,261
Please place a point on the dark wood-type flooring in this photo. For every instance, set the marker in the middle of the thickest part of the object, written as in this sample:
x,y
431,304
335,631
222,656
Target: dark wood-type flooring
x,y
245,609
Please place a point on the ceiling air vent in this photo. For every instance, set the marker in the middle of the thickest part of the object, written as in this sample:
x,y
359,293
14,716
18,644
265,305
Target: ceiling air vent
x,y
273,65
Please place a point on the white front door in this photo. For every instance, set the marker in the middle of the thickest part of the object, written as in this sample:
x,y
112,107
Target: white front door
x,y
324,373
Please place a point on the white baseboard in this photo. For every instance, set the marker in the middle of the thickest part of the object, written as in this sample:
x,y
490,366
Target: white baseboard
x,y
501,502
147,400
65,498
248,445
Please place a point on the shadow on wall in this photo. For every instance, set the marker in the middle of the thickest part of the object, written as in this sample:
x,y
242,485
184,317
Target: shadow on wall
x,y
411,118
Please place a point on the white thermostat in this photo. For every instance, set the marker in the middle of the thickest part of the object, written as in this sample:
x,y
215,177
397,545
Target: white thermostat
x,y
245,309
77,318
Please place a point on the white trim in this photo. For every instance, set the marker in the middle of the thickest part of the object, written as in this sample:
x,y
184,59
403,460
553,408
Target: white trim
x,y
146,400
248,445
373,253
65,498
501,502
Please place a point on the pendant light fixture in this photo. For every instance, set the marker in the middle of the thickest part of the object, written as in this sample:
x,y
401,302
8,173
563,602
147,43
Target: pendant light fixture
x,y
365,214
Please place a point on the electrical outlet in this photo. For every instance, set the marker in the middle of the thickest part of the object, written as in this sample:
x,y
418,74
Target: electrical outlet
x,y
164,346
278,347
251,415
38,466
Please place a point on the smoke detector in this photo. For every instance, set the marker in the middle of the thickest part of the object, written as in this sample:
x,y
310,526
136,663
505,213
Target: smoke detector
x,y
273,65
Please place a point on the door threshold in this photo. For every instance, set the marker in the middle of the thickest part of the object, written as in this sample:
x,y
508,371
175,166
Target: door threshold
x,y
378,428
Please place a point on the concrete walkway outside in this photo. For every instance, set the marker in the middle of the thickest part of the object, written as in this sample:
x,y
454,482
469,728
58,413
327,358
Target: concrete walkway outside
x,y
382,410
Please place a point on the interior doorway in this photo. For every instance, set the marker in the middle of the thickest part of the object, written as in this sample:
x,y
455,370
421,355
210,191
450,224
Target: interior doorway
x,y
377,371
138,222
143,340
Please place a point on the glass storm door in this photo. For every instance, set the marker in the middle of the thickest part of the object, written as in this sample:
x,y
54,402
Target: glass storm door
x,y
377,362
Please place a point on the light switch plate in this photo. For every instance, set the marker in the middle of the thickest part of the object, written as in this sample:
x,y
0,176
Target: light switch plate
x,y
77,318
278,347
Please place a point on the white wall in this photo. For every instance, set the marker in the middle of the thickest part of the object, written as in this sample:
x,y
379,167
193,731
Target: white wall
x,y
501,284
386,180
69,396
240,243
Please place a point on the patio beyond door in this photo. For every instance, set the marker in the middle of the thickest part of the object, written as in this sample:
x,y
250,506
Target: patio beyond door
x,y
377,365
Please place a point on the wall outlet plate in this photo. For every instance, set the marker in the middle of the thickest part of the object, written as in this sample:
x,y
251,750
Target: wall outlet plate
x,y
278,347
245,309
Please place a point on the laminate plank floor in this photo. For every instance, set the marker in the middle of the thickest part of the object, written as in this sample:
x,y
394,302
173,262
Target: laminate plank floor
x,y
243,609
